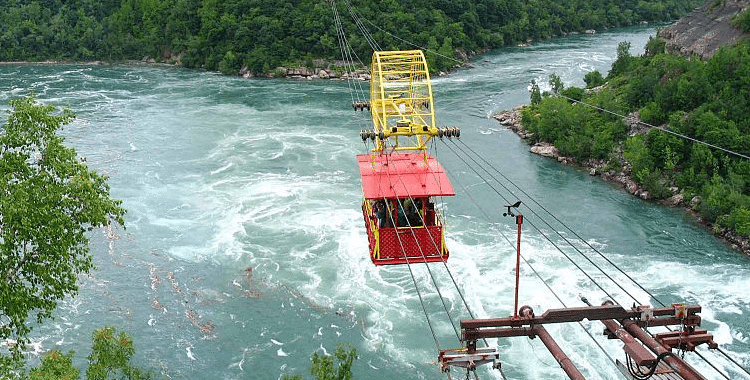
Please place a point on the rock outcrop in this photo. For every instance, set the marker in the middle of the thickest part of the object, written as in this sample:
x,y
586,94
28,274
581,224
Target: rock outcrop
x,y
706,29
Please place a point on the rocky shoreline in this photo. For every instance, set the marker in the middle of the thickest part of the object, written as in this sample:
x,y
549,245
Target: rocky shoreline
x,y
623,177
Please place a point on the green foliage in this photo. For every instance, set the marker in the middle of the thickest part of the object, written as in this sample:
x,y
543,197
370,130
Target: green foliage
x,y
556,83
56,366
742,21
709,101
110,359
576,130
738,219
325,367
593,79
622,63
266,33
49,201
654,46
576,93
535,94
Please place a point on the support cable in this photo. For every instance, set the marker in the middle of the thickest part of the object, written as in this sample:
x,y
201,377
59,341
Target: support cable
x,y
442,258
733,361
537,274
535,227
573,232
343,46
711,364
416,286
600,269
445,264
366,33
695,141
346,53
411,272
413,44
680,135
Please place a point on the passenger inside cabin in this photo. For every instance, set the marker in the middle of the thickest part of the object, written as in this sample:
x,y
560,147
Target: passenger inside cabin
x,y
380,214
414,212
401,213
430,213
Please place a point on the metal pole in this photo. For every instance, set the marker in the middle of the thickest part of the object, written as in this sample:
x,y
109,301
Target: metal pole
x,y
565,363
519,222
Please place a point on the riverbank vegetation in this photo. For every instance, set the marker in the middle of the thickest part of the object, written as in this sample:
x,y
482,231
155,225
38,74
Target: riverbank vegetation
x,y
694,100
262,35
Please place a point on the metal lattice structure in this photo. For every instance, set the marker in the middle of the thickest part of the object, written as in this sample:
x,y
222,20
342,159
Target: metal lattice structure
x,y
401,100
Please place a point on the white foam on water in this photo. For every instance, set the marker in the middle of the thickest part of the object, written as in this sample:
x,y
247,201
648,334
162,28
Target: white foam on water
x,y
283,197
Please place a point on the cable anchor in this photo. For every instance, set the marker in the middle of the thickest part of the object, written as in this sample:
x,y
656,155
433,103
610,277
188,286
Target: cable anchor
x,y
449,132
360,105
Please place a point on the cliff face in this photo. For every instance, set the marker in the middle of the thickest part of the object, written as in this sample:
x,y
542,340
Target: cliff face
x,y
706,29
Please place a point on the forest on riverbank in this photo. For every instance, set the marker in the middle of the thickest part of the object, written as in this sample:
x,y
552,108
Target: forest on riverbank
x,y
692,141
261,35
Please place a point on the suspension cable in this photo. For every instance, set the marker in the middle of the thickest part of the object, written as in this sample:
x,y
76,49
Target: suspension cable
x,y
621,271
366,33
537,229
413,44
414,280
636,283
346,54
453,279
536,273
421,251
583,271
733,361
680,135
572,231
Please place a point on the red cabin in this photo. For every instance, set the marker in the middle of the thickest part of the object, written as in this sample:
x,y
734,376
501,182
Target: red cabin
x,y
400,218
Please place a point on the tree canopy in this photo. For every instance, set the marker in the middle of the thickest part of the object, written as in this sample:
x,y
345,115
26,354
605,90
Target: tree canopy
x,y
701,109
261,35
110,358
49,201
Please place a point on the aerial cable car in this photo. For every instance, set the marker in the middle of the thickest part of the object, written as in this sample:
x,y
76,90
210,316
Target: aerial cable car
x,y
399,177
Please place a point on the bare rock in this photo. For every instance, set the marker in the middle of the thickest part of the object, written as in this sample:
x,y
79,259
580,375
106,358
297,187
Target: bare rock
x,y
674,200
544,149
706,29
694,202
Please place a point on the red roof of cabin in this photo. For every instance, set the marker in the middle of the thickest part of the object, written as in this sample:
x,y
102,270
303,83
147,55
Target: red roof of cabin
x,y
402,175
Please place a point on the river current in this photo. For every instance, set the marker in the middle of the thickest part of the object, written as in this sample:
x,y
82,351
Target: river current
x,y
245,252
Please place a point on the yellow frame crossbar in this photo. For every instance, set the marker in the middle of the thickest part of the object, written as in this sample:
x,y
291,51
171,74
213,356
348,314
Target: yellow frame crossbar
x,y
401,100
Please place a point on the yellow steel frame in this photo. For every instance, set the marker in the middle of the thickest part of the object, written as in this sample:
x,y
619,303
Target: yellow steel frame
x,y
375,231
401,100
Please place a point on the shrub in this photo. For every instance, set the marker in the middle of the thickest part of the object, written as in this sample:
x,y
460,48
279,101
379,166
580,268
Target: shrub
x,y
593,79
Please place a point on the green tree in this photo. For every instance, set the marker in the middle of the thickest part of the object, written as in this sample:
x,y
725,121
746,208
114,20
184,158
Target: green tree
x,y
623,60
536,95
593,79
56,366
324,367
556,83
110,356
49,200
109,359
